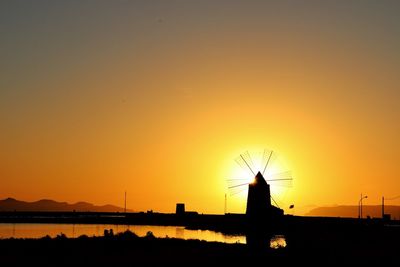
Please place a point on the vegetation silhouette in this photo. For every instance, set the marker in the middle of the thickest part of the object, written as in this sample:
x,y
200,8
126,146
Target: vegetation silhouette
x,y
349,246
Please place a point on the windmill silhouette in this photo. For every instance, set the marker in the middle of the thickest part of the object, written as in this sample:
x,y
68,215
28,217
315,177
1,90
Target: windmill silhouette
x,y
259,207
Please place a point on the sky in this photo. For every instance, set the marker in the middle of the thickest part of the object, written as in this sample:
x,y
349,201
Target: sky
x,y
158,98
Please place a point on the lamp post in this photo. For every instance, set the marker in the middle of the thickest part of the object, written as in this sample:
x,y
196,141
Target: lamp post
x,y
360,206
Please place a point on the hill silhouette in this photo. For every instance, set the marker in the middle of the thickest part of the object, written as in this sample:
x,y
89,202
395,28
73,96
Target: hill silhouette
x,y
374,211
11,204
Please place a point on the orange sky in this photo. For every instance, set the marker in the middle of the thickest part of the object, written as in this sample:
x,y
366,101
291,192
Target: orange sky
x,y
160,98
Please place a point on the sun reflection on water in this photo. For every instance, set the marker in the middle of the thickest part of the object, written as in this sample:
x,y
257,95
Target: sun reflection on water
x,y
277,241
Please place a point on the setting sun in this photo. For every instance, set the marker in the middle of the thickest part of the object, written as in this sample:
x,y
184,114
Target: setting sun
x,y
243,172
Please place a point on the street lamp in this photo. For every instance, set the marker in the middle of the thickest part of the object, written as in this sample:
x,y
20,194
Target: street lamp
x,y
360,206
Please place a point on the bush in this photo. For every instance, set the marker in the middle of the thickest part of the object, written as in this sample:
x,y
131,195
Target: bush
x,y
150,235
61,236
127,235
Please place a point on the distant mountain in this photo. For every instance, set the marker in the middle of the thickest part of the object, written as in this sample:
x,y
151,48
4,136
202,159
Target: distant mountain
x,y
11,204
352,211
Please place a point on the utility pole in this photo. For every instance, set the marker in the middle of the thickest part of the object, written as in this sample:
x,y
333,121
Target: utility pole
x,y
225,205
383,207
125,204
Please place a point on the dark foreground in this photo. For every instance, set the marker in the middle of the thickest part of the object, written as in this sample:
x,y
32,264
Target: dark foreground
x,y
328,249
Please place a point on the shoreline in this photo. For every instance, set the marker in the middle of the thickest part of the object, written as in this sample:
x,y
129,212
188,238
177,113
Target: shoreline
x,y
235,223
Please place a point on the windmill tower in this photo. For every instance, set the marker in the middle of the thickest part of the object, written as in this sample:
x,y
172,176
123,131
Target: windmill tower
x,y
259,207
258,197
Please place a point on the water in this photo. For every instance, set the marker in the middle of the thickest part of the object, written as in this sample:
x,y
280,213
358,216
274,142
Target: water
x,y
277,241
31,230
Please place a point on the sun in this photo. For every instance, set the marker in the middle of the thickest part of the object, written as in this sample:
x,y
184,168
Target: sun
x,y
246,167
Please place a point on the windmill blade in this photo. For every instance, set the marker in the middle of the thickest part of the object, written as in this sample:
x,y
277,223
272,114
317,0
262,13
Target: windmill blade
x,y
282,179
274,201
284,184
287,183
239,179
234,182
244,162
243,165
280,175
249,161
238,185
278,200
267,159
236,191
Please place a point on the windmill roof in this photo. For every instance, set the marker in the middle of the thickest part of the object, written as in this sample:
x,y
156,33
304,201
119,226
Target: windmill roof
x,y
260,178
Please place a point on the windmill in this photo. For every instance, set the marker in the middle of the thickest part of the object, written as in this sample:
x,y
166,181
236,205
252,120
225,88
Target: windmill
x,y
259,206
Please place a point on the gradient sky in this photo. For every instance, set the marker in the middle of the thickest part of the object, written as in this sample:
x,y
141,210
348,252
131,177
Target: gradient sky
x,y
159,97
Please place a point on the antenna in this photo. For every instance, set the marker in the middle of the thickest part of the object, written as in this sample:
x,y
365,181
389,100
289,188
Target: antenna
x,y
225,205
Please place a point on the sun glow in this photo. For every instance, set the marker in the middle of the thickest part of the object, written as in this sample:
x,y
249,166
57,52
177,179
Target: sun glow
x,y
246,167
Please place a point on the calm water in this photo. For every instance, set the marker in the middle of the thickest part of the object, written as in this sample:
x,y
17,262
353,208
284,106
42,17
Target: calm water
x,y
29,230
